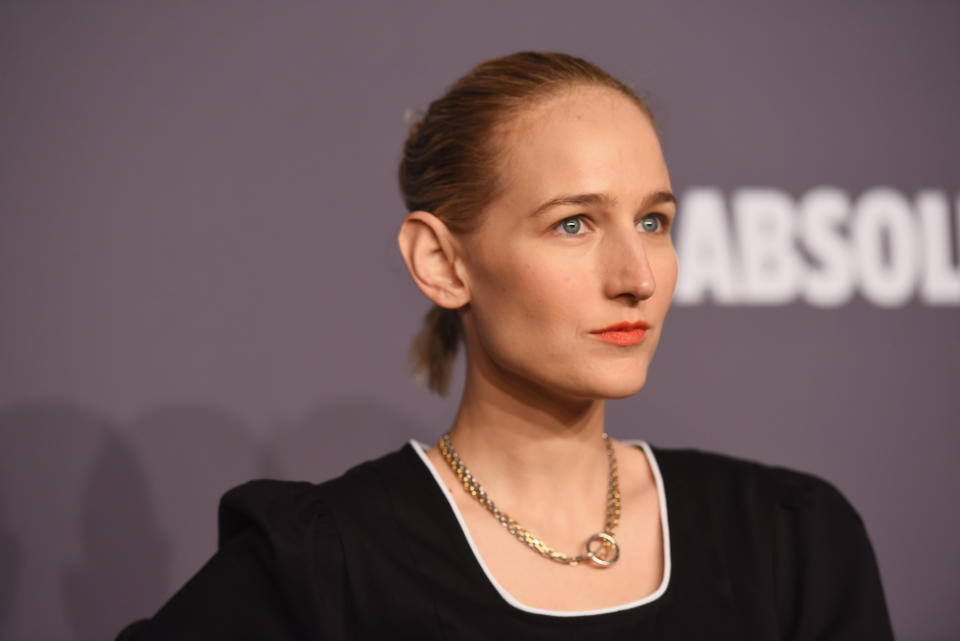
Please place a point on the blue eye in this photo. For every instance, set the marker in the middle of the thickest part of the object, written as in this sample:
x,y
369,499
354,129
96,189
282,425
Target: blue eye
x,y
571,226
651,223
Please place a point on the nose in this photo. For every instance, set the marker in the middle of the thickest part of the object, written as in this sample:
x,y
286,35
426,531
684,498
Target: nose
x,y
628,275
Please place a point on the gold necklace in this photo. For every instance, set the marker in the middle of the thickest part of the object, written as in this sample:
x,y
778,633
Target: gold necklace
x,y
604,555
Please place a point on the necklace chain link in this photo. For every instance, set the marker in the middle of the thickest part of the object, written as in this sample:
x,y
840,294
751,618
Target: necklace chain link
x,y
603,556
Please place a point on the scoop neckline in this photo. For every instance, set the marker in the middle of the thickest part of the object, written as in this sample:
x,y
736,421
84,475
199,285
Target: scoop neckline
x,y
511,600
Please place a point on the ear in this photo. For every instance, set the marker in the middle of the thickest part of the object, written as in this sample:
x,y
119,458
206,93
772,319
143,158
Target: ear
x,y
431,253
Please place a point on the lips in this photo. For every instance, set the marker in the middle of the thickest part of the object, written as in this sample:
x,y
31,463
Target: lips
x,y
625,333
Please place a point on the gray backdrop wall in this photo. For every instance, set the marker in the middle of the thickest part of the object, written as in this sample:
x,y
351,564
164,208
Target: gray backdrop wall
x,y
199,282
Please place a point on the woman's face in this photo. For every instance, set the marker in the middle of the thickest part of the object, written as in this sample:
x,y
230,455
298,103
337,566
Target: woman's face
x,y
577,242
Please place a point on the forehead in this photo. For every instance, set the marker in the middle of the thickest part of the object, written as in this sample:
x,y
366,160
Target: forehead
x,y
591,139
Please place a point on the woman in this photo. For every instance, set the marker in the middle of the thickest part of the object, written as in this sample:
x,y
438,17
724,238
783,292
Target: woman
x,y
541,210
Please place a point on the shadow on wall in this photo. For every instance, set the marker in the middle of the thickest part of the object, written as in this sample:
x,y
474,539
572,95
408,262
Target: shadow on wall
x,y
100,523
335,437
190,454
123,557
10,562
75,502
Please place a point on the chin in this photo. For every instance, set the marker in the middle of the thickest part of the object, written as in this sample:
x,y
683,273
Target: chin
x,y
613,384
625,380
624,389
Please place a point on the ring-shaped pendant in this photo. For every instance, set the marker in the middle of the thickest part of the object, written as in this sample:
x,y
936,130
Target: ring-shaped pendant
x,y
605,540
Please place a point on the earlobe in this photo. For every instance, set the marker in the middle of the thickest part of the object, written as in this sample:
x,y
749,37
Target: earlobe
x,y
430,252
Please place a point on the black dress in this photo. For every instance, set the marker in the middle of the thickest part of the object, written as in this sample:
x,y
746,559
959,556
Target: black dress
x,y
751,553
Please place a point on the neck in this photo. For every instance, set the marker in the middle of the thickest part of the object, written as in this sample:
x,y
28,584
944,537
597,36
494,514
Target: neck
x,y
528,442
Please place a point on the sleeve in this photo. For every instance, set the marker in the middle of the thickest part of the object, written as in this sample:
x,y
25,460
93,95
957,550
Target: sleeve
x,y
278,574
826,576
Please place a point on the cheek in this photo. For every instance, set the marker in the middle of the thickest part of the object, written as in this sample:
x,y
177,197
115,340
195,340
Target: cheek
x,y
545,292
672,277
665,271
522,297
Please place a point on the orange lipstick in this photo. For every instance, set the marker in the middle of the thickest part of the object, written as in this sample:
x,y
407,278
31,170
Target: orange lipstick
x,y
623,333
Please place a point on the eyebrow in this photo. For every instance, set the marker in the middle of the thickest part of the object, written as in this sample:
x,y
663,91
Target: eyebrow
x,y
581,200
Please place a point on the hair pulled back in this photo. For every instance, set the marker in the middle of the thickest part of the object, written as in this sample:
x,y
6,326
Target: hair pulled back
x,y
450,160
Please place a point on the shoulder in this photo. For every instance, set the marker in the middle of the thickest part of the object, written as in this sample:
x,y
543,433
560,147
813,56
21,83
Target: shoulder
x,y
753,484
788,535
299,508
724,467
281,563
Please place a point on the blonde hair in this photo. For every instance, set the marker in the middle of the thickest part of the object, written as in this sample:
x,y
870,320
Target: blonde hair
x,y
450,160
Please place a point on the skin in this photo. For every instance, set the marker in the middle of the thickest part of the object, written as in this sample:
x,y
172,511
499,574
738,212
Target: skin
x,y
534,283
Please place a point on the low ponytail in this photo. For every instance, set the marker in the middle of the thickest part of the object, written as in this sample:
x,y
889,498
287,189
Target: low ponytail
x,y
434,349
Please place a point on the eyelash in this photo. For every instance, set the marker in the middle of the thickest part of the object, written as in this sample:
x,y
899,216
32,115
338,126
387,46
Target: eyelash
x,y
581,218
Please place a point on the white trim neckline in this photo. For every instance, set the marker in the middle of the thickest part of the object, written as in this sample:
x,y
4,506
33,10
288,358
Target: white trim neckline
x,y
421,449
